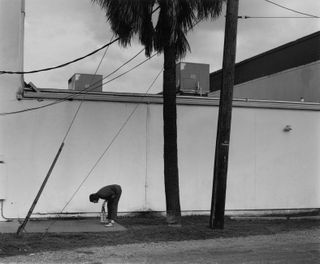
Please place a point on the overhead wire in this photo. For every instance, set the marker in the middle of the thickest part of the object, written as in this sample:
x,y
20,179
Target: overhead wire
x,y
81,92
248,17
290,9
305,15
31,108
118,76
136,66
61,65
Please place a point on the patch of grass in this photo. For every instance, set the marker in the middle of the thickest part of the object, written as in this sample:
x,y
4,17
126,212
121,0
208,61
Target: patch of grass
x,y
148,229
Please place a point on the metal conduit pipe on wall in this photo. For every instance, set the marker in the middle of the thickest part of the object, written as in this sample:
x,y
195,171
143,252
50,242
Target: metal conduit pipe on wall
x,y
3,187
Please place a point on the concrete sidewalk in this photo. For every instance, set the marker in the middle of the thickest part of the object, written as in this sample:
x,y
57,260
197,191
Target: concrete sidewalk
x,y
60,226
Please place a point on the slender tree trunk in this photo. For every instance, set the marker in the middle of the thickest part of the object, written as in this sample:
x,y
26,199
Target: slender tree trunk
x,y
171,175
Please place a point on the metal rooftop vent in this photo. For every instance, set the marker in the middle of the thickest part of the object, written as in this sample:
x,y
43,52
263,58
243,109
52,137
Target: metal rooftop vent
x,y
192,78
85,82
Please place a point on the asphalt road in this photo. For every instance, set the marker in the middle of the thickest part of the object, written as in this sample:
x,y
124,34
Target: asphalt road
x,y
293,247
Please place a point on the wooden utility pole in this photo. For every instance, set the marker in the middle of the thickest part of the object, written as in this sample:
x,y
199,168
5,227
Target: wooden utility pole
x,y
224,118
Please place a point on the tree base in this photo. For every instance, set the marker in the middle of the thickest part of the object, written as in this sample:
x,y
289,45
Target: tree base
x,y
173,220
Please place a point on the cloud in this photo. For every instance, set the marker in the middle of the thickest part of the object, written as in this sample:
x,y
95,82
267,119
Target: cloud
x,y
206,42
62,30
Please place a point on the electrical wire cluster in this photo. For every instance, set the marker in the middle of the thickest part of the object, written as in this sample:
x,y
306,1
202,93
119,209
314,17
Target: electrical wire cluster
x,y
89,88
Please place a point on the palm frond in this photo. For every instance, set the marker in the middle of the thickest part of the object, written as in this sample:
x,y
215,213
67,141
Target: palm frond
x,y
181,44
209,8
175,19
146,32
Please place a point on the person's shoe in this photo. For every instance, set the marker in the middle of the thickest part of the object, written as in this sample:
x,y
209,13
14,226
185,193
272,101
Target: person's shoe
x,y
108,225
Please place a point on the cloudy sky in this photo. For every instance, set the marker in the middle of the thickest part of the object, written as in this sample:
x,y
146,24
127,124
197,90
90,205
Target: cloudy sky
x,y
62,30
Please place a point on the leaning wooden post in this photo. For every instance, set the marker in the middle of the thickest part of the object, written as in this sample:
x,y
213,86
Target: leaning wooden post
x,y
224,118
22,226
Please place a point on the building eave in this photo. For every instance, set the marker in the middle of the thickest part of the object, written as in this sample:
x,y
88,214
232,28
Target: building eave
x,y
69,95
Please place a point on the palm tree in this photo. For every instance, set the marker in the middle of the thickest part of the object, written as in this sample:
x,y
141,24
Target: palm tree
x,y
175,18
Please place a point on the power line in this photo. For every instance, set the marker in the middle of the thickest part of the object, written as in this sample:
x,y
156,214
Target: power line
x,y
61,65
122,65
136,66
32,108
81,92
290,9
292,17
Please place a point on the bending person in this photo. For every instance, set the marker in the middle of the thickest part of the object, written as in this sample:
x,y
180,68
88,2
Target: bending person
x,y
111,194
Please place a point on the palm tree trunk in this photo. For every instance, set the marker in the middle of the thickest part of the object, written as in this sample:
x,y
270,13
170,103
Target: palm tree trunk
x,y
171,175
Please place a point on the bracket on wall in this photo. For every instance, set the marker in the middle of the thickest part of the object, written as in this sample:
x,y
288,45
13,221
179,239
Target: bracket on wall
x,y
287,128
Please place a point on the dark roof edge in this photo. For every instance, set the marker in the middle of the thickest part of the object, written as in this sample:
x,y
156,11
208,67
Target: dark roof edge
x,y
267,65
284,46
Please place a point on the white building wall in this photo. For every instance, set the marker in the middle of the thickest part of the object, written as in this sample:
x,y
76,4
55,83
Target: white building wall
x,y
33,138
269,168
11,46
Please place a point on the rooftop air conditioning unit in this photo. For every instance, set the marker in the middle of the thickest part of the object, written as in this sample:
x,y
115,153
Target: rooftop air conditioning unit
x,y
85,82
192,78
